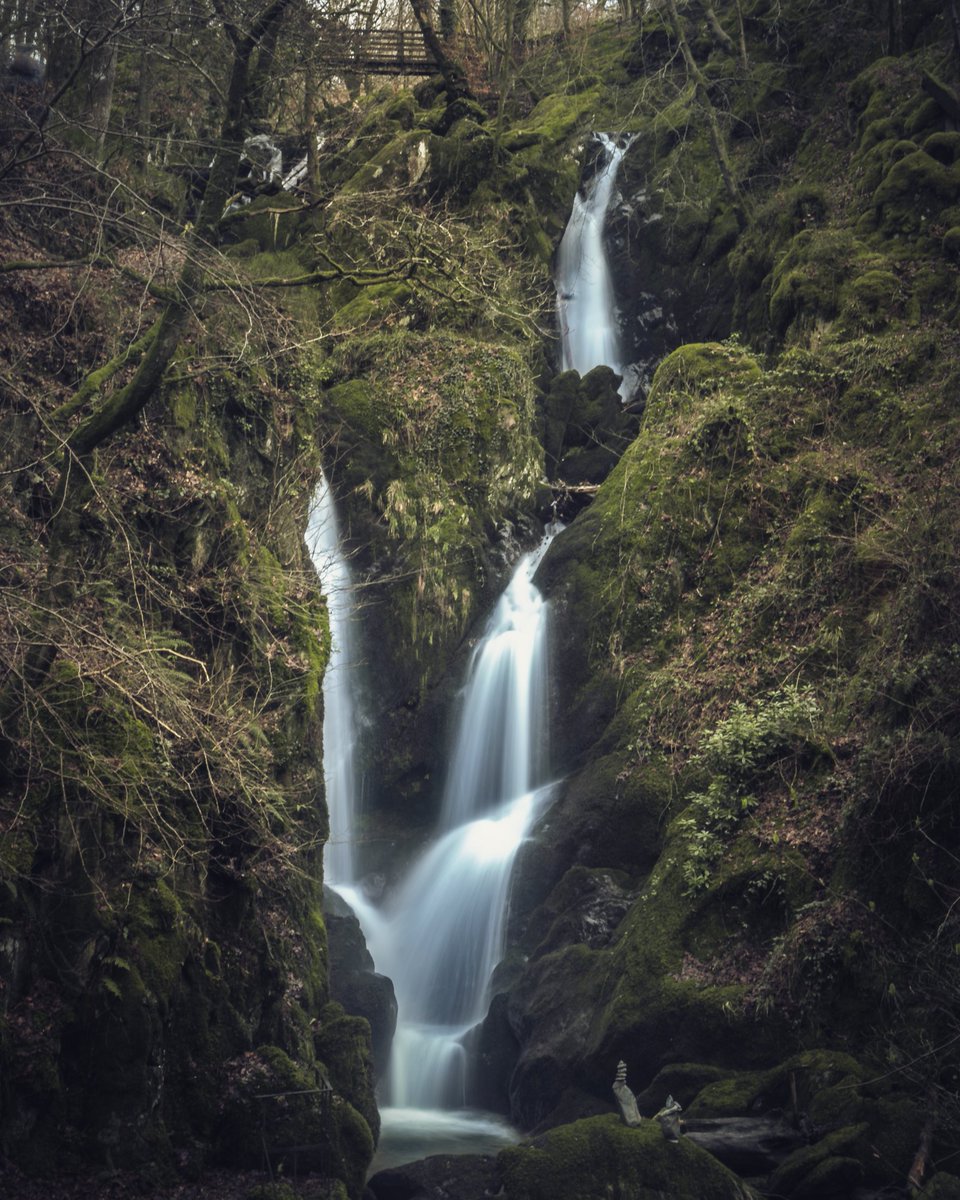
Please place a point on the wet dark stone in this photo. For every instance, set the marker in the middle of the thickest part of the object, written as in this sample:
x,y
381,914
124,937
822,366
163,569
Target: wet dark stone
x,y
747,1145
442,1177
353,981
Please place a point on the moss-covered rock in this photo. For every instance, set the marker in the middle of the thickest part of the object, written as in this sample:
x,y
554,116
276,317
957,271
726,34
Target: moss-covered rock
x,y
826,1165
942,1186
600,1155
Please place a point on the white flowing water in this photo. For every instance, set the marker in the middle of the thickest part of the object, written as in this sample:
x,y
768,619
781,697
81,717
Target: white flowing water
x,y
585,304
339,689
440,935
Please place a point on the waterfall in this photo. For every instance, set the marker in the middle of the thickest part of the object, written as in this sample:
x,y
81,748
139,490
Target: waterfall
x,y
500,744
440,935
585,304
443,929
339,687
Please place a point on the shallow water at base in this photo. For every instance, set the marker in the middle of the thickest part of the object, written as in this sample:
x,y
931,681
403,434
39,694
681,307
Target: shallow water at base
x,y
409,1134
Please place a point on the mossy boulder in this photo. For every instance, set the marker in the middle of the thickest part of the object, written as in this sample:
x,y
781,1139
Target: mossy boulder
x,y
268,1099
461,161
914,192
585,429
814,1080
942,1186
459,110
825,1169
402,162
944,147
601,1156
873,298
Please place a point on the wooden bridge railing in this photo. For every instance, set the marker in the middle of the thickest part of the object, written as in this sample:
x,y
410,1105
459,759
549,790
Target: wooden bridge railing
x,y
377,52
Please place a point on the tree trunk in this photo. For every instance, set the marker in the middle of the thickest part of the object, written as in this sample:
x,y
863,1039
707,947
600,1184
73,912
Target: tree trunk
x,y
453,74
102,74
953,18
449,19
895,26
720,35
310,128
144,105
744,60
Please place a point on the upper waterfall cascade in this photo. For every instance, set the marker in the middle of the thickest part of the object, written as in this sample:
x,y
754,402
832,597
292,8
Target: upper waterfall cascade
x,y
586,310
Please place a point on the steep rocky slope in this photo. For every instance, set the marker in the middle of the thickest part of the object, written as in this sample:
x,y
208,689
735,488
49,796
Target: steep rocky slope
x,y
753,856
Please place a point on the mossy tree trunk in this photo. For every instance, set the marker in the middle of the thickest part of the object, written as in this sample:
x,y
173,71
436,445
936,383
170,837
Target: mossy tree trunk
x,y
454,76
719,34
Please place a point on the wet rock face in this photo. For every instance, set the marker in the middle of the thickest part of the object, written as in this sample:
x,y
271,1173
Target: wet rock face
x,y
353,981
645,300
585,430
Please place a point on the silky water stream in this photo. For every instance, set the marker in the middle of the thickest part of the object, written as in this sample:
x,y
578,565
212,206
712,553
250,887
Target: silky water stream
x,y
439,935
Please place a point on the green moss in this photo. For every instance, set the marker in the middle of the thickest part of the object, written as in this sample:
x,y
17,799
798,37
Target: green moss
x,y
183,408
951,242
879,132
373,305
343,1045
873,297
557,117
399,163
272,221
700,368
809,1167
601,1156
942,1186
404,110
435,462
913,193
944,147
925,116
461,161
272,1191
730,1097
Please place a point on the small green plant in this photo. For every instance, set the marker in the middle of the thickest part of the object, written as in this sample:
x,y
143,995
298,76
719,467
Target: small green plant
x,y
741,747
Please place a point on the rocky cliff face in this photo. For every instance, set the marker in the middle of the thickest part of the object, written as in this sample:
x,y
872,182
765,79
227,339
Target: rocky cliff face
x,y
163,956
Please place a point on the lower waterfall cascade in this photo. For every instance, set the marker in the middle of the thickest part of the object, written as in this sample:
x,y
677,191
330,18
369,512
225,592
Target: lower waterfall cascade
x,y
439,934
